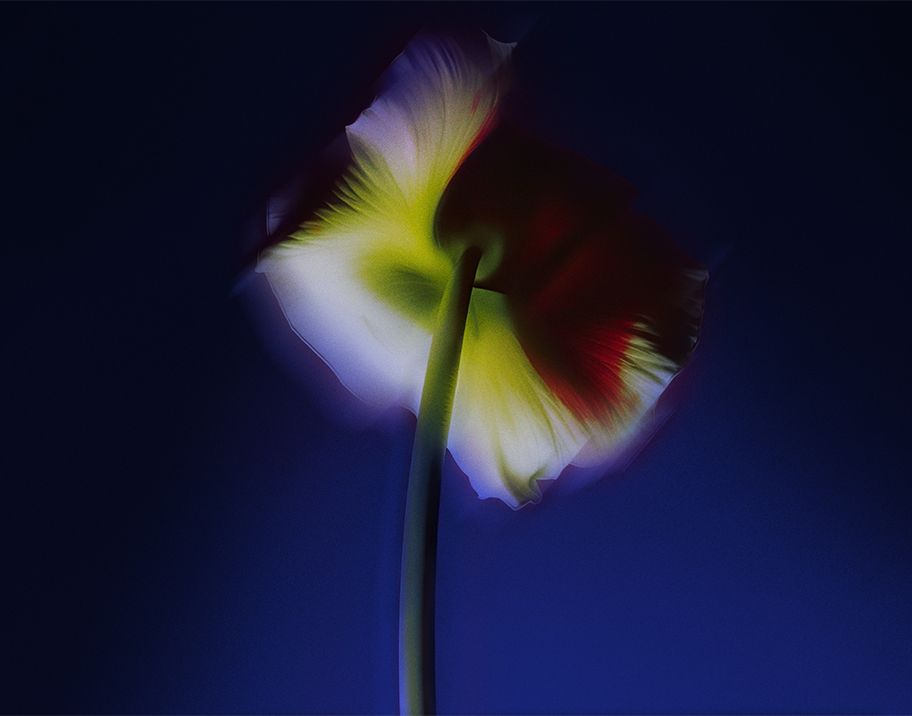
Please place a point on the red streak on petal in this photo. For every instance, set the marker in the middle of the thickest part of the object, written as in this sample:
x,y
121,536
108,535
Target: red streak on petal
x,y
486,128
589,378
584,320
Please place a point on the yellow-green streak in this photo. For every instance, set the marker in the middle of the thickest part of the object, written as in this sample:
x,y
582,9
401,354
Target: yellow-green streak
x,y
419,542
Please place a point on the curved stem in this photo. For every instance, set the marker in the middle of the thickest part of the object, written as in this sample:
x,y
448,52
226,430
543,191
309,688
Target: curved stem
x,y
419,542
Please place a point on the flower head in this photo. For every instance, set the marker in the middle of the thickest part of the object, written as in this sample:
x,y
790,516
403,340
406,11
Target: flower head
x,y
582,310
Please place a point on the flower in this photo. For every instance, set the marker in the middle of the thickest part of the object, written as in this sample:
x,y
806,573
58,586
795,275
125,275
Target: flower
x,y
582,310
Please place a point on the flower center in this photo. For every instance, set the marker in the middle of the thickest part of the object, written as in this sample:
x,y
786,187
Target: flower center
x,y
477,235
412,290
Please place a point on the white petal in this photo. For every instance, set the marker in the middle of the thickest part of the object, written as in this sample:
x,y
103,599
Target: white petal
x,y
509,430
355,282
437,104
377,353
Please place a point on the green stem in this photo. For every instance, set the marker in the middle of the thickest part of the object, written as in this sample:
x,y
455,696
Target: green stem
x,y
419,542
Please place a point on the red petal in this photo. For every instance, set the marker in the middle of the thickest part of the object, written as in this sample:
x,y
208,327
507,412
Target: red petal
x,y
585,276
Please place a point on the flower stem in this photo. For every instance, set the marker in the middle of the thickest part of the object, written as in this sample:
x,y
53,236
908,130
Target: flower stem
x,y
419,542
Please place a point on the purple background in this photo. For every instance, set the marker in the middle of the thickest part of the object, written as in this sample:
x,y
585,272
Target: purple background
x,y
189,527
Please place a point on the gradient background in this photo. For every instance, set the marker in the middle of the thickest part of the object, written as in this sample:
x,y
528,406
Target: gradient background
x,y
190,527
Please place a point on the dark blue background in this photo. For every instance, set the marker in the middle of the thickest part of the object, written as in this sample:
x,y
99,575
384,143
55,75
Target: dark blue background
x,y
189,527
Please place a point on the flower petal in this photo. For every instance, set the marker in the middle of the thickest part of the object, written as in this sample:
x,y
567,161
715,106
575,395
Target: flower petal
x,y
439,100
604,305
509,429
515,423
360,281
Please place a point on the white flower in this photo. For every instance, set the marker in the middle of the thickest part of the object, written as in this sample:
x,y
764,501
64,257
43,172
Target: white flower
x,y
582,312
